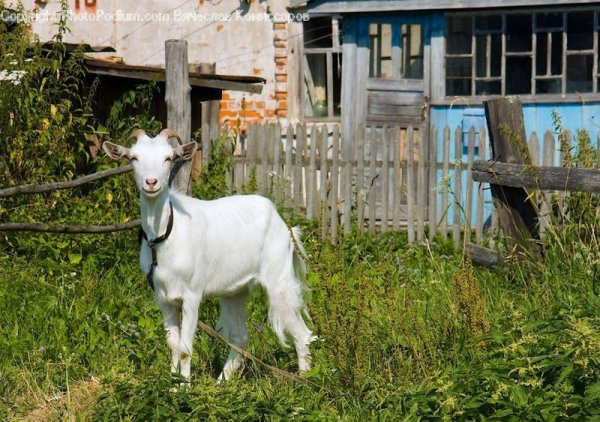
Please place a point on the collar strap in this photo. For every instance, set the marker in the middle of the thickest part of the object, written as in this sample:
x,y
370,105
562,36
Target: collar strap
x,y
152,245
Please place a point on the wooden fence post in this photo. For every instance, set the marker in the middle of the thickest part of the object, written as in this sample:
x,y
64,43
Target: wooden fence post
x,y
179,107
517,215
209,116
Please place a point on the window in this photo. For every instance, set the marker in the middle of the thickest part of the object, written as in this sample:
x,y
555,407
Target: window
x,y
322,66
396,51
522,53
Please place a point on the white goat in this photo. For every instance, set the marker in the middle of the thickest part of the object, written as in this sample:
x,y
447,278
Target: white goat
x,y
213,248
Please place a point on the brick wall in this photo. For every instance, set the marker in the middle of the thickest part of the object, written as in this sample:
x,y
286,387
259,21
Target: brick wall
x,y
272,104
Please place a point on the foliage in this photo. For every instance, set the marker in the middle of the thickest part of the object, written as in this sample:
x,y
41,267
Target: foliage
x,y
215,177
48,133
404,332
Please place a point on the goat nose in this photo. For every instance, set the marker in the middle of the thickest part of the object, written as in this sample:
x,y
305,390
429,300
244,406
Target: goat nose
x,y
151,182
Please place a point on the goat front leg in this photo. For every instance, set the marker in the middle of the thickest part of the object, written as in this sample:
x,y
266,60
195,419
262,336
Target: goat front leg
x,y
170,313
189,321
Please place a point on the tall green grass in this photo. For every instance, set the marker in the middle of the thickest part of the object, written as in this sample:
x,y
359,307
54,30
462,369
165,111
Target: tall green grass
x,y
395,339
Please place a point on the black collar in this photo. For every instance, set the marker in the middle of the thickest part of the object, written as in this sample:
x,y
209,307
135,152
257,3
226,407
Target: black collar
x,y
152,245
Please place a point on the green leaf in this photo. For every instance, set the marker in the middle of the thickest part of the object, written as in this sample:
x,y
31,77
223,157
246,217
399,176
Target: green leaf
x,y
75,258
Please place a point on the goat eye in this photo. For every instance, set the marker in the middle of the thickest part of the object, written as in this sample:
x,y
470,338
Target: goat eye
x,y
133,159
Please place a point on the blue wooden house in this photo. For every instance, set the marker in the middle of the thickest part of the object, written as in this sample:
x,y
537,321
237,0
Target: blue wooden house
x,y
432,63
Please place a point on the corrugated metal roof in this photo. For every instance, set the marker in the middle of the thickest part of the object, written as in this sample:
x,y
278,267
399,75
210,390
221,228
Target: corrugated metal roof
x,y
251,84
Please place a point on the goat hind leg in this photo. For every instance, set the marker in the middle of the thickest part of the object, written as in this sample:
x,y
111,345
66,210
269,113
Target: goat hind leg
x,y
233,325
285,312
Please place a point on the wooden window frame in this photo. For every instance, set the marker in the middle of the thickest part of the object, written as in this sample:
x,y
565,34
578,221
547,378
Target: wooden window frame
x,y
329,52
532,54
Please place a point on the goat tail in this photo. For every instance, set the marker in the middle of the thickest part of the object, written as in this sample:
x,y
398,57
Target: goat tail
x,y
299,257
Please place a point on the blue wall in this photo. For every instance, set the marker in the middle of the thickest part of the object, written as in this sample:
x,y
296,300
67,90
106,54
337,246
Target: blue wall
x,y
538,118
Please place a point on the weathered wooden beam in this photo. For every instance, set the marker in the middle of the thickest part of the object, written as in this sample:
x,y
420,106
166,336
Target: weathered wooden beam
x,y
59,228
48,187
544,178
179,107
517,216
481,256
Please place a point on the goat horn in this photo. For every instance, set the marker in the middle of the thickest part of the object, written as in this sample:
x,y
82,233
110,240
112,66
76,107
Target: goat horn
x,y
137,133
169,133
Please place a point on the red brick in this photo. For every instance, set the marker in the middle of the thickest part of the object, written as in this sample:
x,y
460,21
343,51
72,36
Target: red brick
x,y
280,61
219,27
279,25
281,113
281,78
250,114
280,44
256,71
282,105
281,95
226,96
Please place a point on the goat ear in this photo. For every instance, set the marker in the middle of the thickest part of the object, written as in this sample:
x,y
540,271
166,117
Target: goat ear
x,y
117,152
184,152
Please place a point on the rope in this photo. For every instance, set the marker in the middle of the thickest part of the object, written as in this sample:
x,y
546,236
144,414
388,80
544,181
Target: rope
x,y
214,334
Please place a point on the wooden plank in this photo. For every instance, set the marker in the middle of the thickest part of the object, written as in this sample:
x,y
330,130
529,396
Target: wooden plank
x,y
445,177
469,193
361,189
421,186
385,182
432,185
410,184
397,177
323,205
335,174
547,160
480,192
372,197
398,110
534,149
311,174
298,173
288,166
545,178
179,108
239,167
347,190
261,147
517,214
457,200
278,180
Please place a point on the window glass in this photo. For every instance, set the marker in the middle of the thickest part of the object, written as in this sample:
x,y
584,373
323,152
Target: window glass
x,y
548,86
458,35
315,83
412,49
579,73
318,33
518,33
458,76
487,87
488,23
518,79
549,20
580,30
380,52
